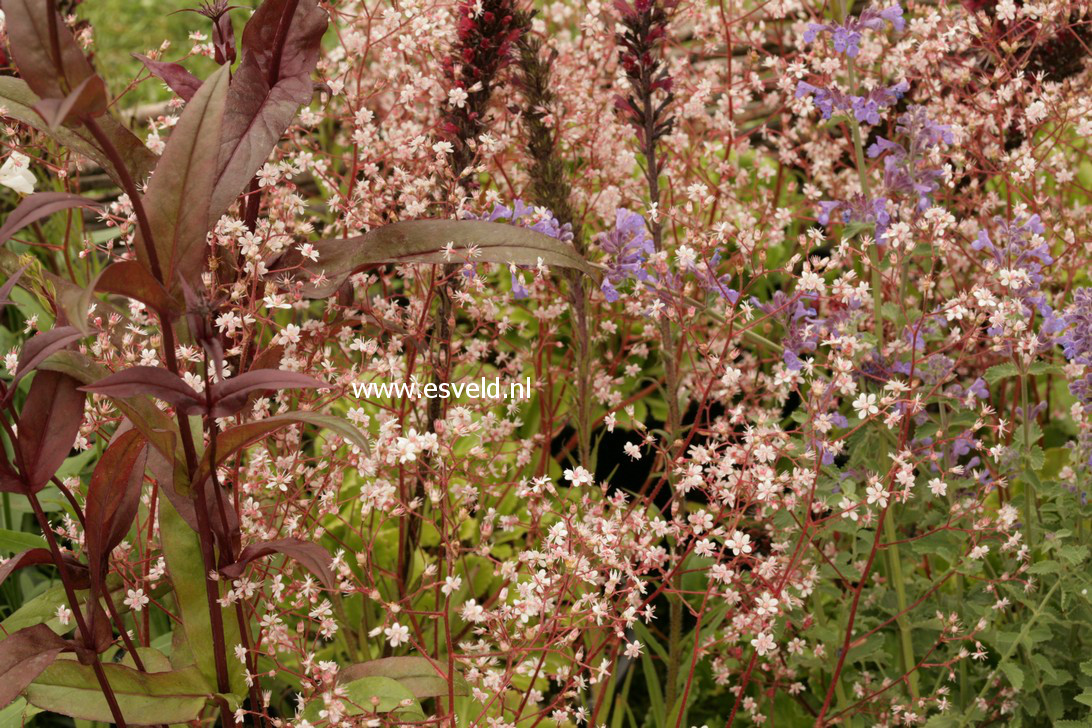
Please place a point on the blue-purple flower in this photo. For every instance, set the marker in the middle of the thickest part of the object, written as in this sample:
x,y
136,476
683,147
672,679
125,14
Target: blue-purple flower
x,y
628,246
846,35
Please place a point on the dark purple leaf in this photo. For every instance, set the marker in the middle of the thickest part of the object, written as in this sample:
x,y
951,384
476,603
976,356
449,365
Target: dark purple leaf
x,y
41,557
35,207
23,657
181,81
113,498
87,99
10,482
48,425
230,396
151,381
307,554
223,39
41,346
178,195
280,48
34,26
130,278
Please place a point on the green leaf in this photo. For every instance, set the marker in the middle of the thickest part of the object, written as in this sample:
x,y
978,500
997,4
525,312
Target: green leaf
x,y
424,241
18,102
372,695
1085,698
1014,674
182,550
236,438
17,714
14,542
421,676
1001,371
177,200
71,689
1086,667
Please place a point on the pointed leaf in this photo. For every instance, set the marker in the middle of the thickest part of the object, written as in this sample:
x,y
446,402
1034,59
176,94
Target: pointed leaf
x,y
40,31
9,284
175,75
141,411
41,345
279,53
152,381
18,102
230,395
37,206
69,688
309,555
182,551
23,657
113,497
178,195
237,438
87,99
424,241
41,557
48,425
130,278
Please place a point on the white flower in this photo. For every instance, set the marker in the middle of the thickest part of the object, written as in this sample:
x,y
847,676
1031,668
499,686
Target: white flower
x,y
451,585
397,634
633,649
16,174
136,599
457,97
740,543
938,487
579,476
865,405
877,494
63,615
632,450
763,644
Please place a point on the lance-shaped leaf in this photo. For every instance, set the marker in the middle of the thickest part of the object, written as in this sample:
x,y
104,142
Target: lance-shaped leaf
x,y
280,48
41,346
237,438
48,425
130,278
153,382
87,99
426,241
175,75
230,395
153,423
24,655
39,205
307,554
42,557
69,688
9,285
45,51
113,497
18,102
177,200
423,677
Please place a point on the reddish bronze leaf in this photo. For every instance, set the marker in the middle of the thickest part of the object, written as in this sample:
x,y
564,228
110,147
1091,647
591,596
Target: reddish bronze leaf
x,y
229,396
37,29
151,381
35,207
41,346
113,498
280,48
307,554
130,278
181,81
87,99
48,425
41,557
23,657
